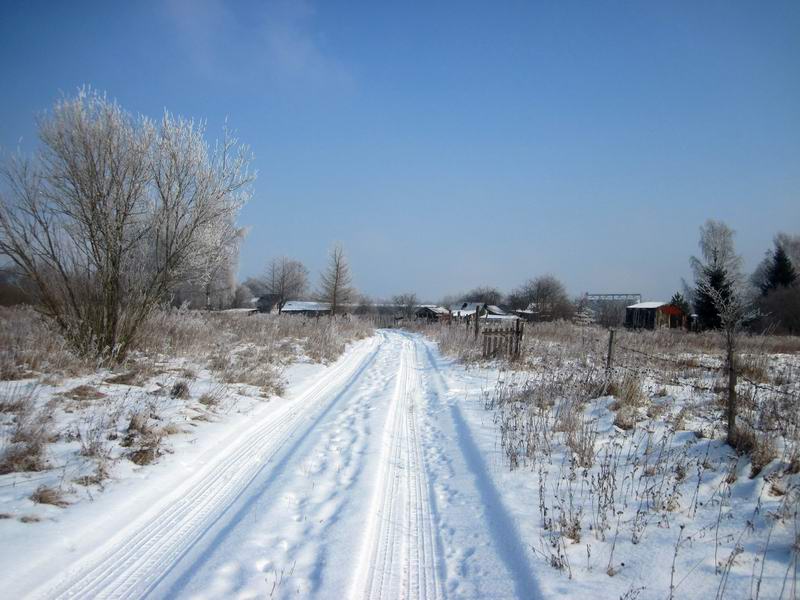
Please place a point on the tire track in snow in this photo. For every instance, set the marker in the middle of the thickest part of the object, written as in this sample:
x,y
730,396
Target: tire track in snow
x,y
399,550
508,547
132,562
280,534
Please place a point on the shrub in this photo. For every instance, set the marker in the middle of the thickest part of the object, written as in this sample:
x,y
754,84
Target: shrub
x,y
49,495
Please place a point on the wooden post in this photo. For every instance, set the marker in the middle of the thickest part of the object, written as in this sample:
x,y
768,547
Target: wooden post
x,y
477,317
610,348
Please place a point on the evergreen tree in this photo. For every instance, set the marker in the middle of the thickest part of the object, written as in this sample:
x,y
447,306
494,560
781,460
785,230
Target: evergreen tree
x,y
679,301
780,272
706,308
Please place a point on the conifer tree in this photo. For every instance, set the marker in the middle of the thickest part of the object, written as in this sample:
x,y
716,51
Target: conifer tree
x,y
706,304
679,301
780,271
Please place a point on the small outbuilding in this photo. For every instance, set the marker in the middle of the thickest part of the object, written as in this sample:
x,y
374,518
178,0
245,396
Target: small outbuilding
x,y
308,309
654,315
432,313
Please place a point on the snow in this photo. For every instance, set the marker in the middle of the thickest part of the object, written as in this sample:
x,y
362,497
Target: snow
x,y
298,305
648,305
379,476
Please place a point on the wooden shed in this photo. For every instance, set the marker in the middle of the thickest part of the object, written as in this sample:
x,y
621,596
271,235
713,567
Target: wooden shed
x,y
432,313
654,315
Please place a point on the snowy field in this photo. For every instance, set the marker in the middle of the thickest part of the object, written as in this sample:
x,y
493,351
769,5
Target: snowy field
x,y
396,472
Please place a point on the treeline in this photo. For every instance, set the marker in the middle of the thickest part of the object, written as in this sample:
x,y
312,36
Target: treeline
x,y
286,279
770,296
115,215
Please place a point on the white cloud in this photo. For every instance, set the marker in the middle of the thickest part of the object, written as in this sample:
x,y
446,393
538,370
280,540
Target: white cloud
x,y
275,41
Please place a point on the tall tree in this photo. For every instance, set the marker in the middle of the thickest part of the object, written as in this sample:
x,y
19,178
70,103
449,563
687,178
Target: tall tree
x,y
114,212
336,282
718,269
732,310
546,296
780,271
406,303
285,279
485,294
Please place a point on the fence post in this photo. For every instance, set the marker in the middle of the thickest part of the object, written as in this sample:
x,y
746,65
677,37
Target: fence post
x,y
611,332
477,318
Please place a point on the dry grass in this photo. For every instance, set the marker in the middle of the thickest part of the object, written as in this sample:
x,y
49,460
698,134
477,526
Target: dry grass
x,y
214,397
180,389
29,519
84,393
131,377
30,434
49,495
180,333
29,345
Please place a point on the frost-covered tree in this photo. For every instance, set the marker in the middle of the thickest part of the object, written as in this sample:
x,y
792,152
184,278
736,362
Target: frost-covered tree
x,y
732,310
718,268
113,212
242,297
335,285
217,258
285,279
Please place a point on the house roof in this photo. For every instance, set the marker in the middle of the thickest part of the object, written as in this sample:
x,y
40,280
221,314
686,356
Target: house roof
x,y
300,306
648,305
440,310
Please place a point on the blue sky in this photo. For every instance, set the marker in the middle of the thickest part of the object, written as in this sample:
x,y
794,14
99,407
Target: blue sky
x,y
451,145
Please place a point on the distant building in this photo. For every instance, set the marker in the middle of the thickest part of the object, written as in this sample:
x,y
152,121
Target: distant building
x,y
467,310
309,309
609,310
267,302
432,313
654,315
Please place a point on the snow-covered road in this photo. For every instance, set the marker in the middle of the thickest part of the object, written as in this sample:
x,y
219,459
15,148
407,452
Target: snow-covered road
x,y
367,483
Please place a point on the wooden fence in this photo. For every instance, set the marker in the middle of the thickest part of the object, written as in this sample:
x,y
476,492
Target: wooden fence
x,y
502,339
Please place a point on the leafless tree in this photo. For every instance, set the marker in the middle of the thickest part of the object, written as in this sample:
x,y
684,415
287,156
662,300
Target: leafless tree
x,y
406,303
336,282
285,279
733,310
545,295
485,294
113,212
242,297
717,251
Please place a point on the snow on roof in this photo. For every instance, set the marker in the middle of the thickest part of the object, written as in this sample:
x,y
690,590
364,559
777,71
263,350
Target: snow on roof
x,y
466,306
433,308
648,305
298,306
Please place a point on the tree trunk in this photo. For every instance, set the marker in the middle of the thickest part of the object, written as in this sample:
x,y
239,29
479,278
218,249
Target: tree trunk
x,y
731,395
